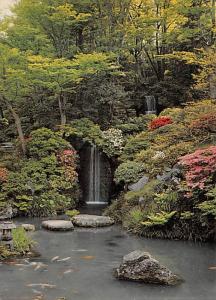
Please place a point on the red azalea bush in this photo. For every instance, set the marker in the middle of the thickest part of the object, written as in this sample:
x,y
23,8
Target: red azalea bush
x,y
160,122
3,175
200,167
68,159
205,124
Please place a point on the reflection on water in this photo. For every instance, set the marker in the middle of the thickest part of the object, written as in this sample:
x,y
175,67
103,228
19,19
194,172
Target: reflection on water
x,y
78,265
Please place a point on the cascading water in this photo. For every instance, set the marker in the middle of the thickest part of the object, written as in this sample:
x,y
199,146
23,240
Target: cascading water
x,y
94,188
150,105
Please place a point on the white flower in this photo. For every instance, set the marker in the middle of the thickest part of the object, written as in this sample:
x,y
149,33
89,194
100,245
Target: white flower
x,y
114,137
159,154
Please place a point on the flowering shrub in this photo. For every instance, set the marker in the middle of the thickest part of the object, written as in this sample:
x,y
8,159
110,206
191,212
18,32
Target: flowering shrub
x,y
113,141
200,166
205,124
160,122
68,159
3,175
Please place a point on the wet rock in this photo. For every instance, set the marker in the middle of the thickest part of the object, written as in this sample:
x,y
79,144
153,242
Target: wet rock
x,y
141,266
58,225
28,227
92,221
139,185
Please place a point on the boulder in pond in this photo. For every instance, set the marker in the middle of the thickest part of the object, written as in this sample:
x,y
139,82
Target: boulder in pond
x,y
58,225
28,227
92,221
141,266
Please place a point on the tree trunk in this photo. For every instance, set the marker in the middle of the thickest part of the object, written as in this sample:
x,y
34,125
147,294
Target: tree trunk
x,y
18,127
62,110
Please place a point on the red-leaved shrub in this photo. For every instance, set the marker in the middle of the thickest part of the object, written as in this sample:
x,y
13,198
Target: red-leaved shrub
x,y
3,175
205,124
67,159
160,122
200,167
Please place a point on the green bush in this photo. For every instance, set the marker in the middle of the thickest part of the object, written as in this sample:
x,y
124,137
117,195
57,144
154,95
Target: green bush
x,y
47,182
44,142
129,172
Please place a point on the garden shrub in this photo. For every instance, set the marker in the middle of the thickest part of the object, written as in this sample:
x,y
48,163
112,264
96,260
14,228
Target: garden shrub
x,y
43,142
200,167
46,182
136,124
129,172
160,122
133,219
134,145
158,219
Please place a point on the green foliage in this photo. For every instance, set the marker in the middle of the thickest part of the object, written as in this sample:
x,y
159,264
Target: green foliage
x,y
110,141
129,172
134,218
208,208
158,219
42,186
136,124
22,242
72,213
43,142
186,215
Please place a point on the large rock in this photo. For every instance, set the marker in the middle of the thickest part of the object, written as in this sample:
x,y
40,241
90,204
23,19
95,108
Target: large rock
x,y
92,221
139,185
140,266
58,225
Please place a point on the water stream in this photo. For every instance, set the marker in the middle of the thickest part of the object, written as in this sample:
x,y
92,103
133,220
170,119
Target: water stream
x,y
94,186
150,105
91,255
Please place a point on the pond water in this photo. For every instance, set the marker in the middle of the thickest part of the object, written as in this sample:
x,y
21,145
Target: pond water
x,y
86,258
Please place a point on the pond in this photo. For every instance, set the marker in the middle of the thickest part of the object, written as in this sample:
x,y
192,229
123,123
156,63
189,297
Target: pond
x,y
78,265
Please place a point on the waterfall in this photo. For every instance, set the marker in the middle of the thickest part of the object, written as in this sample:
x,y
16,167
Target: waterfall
x,y
94,188
150,105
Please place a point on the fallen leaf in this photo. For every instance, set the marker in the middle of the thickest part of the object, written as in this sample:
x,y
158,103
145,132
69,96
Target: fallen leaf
x,y
88,257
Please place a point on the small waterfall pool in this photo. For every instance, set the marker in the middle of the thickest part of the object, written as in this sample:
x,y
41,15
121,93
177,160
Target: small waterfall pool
x,y
91,255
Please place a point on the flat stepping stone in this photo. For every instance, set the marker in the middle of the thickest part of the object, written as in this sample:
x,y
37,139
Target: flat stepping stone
x,y
58,225
92,221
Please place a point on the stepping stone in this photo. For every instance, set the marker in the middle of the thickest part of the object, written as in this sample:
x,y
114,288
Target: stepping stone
x,y
92,221
58,225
